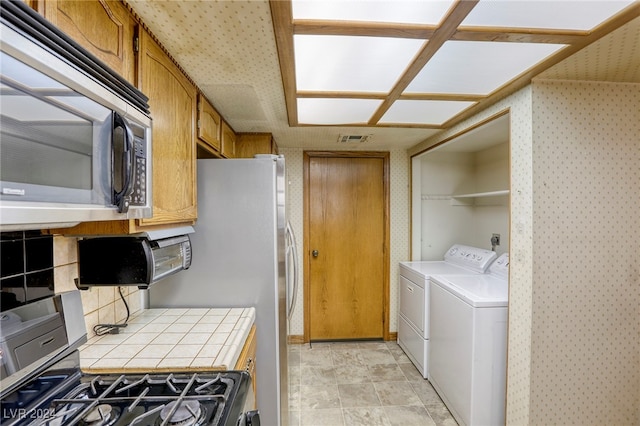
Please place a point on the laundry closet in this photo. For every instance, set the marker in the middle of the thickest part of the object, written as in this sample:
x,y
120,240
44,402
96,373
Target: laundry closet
x,y
460,192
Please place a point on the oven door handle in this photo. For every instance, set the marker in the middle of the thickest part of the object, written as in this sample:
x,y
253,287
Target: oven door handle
x,y
126,161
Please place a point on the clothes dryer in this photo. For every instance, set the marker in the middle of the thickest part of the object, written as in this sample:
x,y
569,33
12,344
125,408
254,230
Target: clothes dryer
x,y
468,349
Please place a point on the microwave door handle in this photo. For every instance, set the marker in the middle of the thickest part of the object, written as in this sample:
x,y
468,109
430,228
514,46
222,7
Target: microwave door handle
x,y
121,198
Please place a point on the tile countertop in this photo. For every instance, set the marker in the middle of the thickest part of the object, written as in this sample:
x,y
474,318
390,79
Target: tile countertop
x,y
194,339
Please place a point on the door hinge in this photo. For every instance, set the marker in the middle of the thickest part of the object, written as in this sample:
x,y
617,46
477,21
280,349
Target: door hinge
x,y
198,123
136,44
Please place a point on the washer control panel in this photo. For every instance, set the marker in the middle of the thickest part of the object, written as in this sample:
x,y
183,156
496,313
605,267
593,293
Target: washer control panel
x,y
474,258
501,266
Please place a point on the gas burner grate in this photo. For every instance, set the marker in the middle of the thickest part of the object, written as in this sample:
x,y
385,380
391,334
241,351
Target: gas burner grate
x,y
171,400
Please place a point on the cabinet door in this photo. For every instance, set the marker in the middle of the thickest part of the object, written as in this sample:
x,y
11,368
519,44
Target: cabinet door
x,y
250,144
228,141
209,124
173,105
105,28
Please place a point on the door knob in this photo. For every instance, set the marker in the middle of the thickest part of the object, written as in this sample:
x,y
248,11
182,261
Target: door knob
x,y
314,253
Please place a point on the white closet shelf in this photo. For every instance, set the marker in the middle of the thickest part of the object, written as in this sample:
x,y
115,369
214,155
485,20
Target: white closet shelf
x,y
470,199
482,194
465,196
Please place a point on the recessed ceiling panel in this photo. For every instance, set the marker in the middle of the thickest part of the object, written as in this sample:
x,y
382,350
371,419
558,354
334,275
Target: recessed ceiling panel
x,y
398,11
336,111
423,112
351,64
479,68
571,15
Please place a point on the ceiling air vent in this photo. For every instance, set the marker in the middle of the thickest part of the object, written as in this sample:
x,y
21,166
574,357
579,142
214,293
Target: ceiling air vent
x,y
353,138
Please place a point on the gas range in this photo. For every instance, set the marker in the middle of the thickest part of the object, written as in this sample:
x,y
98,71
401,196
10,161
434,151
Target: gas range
x,y
69,398
53,391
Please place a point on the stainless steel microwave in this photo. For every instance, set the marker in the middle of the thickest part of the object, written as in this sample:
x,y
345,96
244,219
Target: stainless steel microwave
x,y
134,260
75,138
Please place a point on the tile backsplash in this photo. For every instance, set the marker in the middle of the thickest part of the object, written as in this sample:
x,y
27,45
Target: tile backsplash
x,y
26,267
35,265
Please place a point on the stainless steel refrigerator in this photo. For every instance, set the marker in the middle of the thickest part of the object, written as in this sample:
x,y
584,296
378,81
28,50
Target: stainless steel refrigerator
x,y
243,255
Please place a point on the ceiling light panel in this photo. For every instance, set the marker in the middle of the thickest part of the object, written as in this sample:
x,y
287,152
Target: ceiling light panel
x,y
571,15
478,68
336,111
351,64
423,112
397,11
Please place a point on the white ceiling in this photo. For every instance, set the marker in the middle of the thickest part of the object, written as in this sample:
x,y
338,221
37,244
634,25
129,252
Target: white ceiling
x,y
228,48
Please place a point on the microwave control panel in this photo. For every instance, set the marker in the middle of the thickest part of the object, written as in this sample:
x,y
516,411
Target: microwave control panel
x,y
138,195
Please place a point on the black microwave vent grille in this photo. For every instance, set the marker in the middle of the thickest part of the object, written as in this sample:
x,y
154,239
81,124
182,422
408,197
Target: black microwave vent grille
x,y
19,16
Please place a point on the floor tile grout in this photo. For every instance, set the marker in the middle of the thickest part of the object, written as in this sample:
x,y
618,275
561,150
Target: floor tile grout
x,y
360,383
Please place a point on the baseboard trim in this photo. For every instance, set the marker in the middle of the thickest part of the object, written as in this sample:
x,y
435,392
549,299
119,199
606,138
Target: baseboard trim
x,y
296,339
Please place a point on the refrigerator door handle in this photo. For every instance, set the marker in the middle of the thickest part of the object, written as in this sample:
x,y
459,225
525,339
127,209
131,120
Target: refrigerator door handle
x,y
292,290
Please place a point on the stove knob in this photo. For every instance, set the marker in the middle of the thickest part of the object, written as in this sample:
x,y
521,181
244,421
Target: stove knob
x,y
252,418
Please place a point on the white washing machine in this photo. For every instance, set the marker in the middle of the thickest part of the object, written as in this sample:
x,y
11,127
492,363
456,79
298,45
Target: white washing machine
x,y
468,349
413,319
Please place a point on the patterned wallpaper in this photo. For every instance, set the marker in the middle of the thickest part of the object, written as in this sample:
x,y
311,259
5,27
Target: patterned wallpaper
x,y
574,326
586,271
520,256
295,215
400,225
613,58
399,210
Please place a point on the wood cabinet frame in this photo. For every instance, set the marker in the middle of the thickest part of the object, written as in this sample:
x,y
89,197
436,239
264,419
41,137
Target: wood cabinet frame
x,y
247,360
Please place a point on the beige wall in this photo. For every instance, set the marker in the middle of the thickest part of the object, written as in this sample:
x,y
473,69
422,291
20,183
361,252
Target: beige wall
x,y
586,270
399,212
574,327
101,305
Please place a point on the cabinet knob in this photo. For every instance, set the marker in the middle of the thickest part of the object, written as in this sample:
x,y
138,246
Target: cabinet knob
x,y
314,253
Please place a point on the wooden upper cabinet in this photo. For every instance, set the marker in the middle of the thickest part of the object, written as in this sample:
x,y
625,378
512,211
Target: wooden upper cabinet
x,y
173,104
34,4
209,126
105,28
250,144
228,141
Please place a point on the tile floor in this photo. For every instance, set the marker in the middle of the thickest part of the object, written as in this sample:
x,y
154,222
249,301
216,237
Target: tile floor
x,y
360,383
